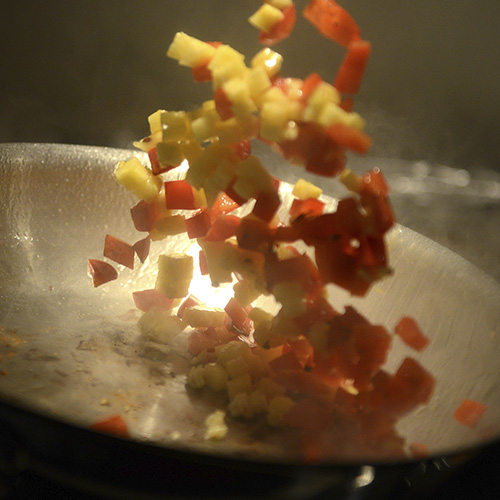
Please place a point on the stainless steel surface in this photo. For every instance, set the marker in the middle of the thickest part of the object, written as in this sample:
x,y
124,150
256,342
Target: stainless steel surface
x,y
73,352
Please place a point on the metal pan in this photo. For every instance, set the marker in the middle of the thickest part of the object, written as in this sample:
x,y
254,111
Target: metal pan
x,y
71,354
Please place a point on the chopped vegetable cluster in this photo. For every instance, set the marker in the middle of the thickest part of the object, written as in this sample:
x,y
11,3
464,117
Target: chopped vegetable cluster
x,y
309,366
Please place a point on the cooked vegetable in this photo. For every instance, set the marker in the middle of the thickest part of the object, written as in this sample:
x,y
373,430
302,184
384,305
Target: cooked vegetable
x,y
101,272
114,424
469,412
302,363
119,251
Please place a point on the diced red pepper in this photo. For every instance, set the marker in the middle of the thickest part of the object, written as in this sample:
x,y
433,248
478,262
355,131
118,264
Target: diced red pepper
x,y
115,425
374,183
142,247
190,301
349,138
310,83
266,205
299,269
198,225
352,68
146,299
238,314
469,413
286,362
341,269
415,384
282,29
234,195
223,227
286,234
101,272
243,149
333,21
179,195
254,234
143,216
309,208
199,340
201,73
347,104
315,149
223,205
223,104
156,167
119,251
203,263
410,333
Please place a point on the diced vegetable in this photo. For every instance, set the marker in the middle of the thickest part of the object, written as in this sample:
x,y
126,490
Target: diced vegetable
x,y
119,251
411,334
141,248
101,272
175,273
333,21
306,366
114,424
351,71
469,412
147,299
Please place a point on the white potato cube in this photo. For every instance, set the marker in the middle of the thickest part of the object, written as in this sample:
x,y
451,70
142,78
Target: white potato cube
x,y
268,59
160,326
280,4
266,17
216,376
190,51
305,190
175,272
238,92
278,407
253,178
291,295
216,428
138,179
202,316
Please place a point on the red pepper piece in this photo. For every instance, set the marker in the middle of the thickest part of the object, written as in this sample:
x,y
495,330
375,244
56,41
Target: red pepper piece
x,y
266,205
223,227
119,251
179,196
114,425
349,138
146,299
101,272
469,413
311,207
143,216
352,68
198,225
410,333
142,247
223,105
332,21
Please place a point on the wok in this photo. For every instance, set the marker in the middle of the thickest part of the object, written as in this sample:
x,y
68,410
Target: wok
x,y
71,354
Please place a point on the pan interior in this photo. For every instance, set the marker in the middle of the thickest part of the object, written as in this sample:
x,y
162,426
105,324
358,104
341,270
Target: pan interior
x,y
73,352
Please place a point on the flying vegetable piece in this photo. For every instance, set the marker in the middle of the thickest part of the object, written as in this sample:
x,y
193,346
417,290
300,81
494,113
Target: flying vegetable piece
x,y
101,272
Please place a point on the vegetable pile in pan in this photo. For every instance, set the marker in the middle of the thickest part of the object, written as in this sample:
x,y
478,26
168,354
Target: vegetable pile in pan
x,y
305,365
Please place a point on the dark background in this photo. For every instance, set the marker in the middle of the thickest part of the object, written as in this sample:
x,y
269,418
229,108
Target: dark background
x,y
90,72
